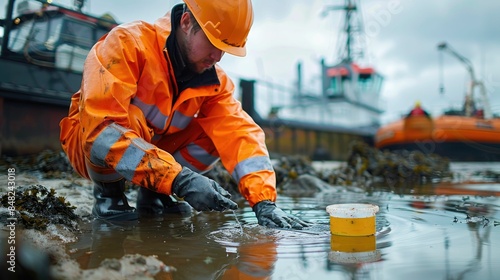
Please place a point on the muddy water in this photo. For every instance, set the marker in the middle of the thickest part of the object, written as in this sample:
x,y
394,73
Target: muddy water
x,y
448,231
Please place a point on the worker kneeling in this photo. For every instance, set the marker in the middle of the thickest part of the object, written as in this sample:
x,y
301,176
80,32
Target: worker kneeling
x,y
154,108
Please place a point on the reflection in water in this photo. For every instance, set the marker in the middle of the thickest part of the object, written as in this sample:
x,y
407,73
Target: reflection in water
x,y
419,235
478,225
254,255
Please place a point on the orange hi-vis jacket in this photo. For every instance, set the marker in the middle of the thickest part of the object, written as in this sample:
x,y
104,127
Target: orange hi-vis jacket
x,y
125,118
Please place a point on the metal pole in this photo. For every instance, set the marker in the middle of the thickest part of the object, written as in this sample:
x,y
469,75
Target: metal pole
x,y
7,27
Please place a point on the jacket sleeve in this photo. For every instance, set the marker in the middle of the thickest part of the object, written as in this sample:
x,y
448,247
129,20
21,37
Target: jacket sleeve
x,y
240,143
111,138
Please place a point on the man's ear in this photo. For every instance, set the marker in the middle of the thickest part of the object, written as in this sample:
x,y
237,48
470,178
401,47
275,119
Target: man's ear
x,y
185,23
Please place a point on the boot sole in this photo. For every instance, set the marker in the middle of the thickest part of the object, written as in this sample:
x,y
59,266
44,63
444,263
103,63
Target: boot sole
x,y
120,216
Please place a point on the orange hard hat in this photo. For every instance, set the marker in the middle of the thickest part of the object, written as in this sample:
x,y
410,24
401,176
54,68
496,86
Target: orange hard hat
x,y
226,23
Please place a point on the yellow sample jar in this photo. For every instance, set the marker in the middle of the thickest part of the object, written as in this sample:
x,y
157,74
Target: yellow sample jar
x,y
352,219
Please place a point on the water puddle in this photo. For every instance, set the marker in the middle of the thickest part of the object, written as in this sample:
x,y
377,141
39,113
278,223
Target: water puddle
x,y
420,234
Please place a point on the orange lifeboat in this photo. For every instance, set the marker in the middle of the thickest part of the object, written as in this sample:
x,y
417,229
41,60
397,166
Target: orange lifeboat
x,y
468,135
459,138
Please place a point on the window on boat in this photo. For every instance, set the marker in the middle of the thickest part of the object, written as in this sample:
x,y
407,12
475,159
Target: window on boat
x,y
337,86
334,88
377,83
369,83
75,42
78,34
365,82
54,40
31,32
19,36
35,39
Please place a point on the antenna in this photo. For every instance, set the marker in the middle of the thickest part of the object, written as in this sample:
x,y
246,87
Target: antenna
x,y
79,4
441,76
353,28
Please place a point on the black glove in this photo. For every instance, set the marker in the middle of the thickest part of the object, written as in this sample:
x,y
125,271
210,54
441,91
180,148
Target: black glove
x,y
268,214
201,192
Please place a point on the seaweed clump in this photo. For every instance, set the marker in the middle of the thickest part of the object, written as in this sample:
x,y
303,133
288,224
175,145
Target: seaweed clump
x,y
36,208
367,165
291,167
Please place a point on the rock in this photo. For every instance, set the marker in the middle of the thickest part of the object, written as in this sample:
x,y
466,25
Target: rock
x,y
305,185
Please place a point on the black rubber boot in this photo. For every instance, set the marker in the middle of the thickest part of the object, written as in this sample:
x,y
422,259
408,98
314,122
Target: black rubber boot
x,y
150,202
111,202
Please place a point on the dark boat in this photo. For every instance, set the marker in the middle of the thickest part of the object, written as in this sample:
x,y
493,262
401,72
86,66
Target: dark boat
x,y
42,54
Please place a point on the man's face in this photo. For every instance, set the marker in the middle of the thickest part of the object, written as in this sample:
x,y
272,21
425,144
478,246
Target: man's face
x,y
198,51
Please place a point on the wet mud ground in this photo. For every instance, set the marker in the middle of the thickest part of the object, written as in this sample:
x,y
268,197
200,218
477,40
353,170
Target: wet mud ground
x,y
437,219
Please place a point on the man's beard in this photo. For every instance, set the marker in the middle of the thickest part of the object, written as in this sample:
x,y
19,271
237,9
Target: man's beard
x,y
193,66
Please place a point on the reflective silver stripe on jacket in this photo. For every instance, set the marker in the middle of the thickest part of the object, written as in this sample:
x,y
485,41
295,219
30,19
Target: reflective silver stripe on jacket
x,y
180,120
250,165
103,143
152,113
155,117
132,156
199,154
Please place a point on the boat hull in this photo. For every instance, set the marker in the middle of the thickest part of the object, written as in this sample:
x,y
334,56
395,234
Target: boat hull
x,y
31,106
458,138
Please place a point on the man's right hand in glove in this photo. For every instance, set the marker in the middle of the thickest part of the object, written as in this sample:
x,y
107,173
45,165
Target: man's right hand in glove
x,y
202,193
268,214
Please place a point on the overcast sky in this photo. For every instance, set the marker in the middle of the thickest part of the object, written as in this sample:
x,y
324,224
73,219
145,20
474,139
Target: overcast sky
x,y
401,37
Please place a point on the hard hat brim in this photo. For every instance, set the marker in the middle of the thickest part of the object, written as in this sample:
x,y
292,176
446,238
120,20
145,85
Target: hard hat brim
x,y
237,51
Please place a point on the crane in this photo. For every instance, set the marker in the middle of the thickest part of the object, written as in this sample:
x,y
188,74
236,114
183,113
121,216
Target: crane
x,y
469,98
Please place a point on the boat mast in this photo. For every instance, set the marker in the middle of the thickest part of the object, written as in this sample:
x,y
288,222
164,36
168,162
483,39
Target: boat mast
x,y
350,49
79,4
